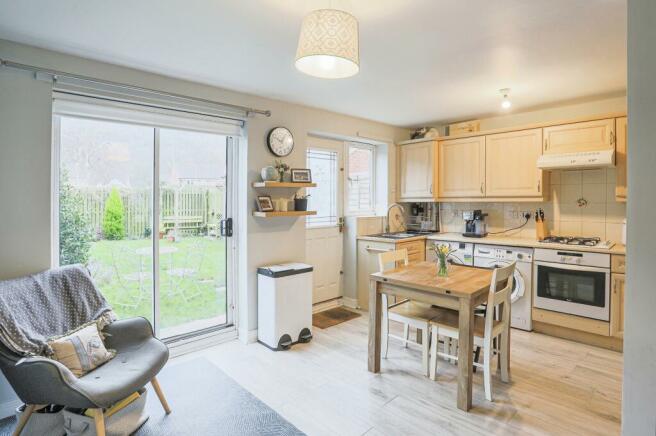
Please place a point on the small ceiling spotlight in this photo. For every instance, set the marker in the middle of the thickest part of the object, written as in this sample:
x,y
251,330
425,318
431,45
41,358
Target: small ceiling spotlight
x,y
505,103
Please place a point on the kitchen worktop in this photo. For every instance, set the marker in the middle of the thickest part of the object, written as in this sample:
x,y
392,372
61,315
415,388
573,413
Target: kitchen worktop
x,y
499,240
376,238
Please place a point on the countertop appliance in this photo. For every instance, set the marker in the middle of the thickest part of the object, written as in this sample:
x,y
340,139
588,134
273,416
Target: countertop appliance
x,y
463,252
475,226
581,160
492,256
576,283
284,305
578,240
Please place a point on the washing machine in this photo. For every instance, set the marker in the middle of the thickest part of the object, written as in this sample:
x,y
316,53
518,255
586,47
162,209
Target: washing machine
x,y
492,256
463,252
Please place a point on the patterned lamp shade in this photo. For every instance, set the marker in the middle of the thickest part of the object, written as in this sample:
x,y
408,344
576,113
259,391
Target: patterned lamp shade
x,y
328,45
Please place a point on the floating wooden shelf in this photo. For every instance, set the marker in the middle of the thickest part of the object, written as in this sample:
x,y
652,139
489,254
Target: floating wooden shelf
x,y
283,185
281,214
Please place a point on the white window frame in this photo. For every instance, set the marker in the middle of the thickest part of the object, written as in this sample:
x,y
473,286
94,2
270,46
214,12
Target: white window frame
x,y
211,336
338,209
372,193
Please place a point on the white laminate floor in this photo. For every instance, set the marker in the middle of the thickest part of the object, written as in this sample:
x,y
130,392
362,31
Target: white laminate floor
x,y
558,387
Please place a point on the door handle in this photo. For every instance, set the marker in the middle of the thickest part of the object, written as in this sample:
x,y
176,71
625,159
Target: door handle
x,y
225,228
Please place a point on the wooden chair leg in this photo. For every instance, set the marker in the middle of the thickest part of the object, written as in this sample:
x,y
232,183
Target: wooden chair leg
x,y
504,356
99,419
434,348
29,409
487,370
406,334
160,395
425,342
477,354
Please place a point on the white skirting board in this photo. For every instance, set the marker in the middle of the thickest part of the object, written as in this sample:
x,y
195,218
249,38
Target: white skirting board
x,y
351,303
7,409
248,336
325,305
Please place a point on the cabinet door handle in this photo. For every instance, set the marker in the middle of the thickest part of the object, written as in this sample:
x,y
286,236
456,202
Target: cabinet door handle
x,y
546,143
538,185
482,190
377,250
431,188
612,138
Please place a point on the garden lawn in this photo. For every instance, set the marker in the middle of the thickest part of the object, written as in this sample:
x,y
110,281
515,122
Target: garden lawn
x,y
192,278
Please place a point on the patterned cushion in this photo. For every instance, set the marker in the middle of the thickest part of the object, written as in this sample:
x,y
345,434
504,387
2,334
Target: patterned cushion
x,y
81,350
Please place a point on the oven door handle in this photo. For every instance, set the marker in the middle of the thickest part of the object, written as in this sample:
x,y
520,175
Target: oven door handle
x,y
573,267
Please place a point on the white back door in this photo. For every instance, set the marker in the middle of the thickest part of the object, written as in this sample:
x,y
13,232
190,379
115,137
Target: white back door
x,y
324,242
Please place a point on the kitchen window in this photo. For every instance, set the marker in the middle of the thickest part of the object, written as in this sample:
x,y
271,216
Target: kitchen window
x,y
360,179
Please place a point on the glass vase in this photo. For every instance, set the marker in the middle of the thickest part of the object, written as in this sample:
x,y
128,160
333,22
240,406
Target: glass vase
x,y
442,267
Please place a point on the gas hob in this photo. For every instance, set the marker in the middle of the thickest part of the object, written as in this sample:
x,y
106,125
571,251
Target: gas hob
x,y
577,240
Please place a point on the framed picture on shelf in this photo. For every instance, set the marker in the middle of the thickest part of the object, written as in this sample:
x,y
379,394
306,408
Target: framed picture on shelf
x,y
264,203
301,175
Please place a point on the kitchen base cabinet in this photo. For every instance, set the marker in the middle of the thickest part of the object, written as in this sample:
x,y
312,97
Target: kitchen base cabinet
x,y
617,291
367,262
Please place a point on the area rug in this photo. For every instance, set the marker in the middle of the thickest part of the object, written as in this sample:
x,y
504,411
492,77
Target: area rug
x,y
331,317
205,401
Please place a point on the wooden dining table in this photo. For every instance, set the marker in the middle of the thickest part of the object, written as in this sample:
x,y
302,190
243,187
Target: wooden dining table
x,y
465,288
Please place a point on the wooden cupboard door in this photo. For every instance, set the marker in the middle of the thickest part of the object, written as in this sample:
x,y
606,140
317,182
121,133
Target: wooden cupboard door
x,y
620,158
461,168
416,168
617,305
577,137
416,250
511,164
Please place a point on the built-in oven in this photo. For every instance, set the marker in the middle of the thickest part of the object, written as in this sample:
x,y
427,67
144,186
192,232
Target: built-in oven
x,y
572,282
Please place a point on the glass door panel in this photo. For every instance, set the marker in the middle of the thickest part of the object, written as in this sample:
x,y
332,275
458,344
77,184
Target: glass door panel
x,y
105,208
192,253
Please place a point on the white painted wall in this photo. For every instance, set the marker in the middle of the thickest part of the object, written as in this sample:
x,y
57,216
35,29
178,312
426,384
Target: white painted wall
x,y
639,390
25,130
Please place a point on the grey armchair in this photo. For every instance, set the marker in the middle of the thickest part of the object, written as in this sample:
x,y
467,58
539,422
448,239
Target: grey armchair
x,y
139,358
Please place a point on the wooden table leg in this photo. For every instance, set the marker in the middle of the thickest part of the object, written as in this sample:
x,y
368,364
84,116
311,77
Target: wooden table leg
x,y
375,314
465,350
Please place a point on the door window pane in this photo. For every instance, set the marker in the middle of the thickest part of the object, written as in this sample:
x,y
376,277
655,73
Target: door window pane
x,y
323,198
360,179
105,209
192,263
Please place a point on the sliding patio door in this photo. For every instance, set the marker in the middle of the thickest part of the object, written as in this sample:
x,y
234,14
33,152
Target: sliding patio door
x,y
143,207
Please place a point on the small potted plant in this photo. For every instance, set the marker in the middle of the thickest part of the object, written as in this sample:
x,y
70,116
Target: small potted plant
x,y
300,202
442,252
282,168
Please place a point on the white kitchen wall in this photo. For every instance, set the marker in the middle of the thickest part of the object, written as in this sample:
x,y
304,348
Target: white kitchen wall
x,y
601,216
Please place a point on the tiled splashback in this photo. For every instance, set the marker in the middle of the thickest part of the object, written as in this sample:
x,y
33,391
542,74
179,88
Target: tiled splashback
x,y
602,216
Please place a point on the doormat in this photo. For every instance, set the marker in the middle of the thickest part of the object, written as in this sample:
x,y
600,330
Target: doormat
x,y
331,317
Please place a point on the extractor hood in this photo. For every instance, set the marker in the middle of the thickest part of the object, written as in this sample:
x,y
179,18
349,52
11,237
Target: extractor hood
x,y
585,159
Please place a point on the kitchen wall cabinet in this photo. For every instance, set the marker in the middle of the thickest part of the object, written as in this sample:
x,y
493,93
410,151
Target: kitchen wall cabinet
x,y
578,137
418,171
511,164
461,168
620,158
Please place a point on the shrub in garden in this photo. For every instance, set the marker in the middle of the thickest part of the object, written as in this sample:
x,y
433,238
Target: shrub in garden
x,y
75,233
114,220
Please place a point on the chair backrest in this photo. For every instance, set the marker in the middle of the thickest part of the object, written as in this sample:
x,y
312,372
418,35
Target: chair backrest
x,y
391,257
500,290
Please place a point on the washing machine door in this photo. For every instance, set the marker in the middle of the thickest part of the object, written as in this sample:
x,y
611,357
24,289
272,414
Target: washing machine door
x,y
519,284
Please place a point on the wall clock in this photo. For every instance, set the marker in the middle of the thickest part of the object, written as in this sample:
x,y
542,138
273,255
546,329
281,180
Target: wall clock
x,y
280,141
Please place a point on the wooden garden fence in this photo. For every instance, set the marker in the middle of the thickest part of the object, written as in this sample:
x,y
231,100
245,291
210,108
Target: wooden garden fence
x,y
189,208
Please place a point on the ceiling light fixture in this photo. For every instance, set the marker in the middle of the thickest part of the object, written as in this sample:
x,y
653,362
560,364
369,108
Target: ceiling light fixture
x,y
328,46
505,104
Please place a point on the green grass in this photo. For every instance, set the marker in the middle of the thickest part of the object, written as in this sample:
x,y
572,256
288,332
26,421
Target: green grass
x,y
124,276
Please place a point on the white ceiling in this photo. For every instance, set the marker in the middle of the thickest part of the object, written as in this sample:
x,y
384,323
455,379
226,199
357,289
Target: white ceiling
x,y
421,60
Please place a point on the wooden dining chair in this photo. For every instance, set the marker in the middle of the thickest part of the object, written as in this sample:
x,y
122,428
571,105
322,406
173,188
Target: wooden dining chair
x,y
408,313
486,329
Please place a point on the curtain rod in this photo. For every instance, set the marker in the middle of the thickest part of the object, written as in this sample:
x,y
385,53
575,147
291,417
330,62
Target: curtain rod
x,y
55,74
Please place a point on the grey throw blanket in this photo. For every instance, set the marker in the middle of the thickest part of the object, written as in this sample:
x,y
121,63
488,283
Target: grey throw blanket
x,y
48,304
